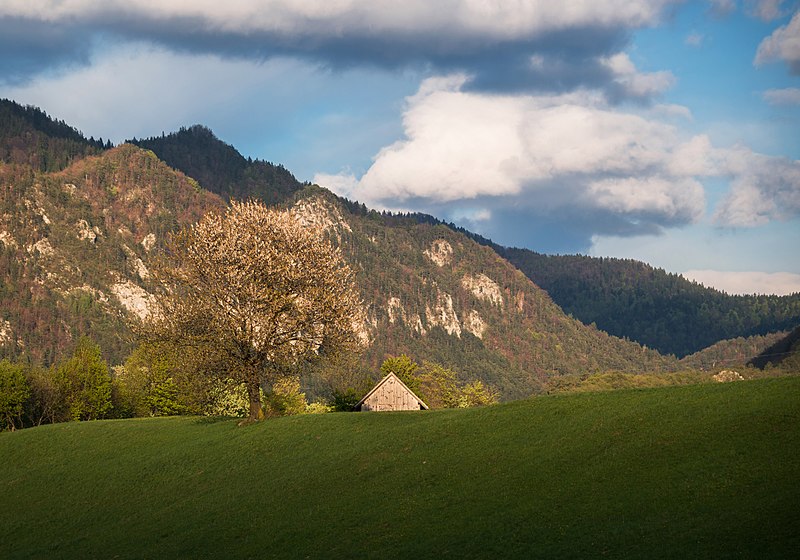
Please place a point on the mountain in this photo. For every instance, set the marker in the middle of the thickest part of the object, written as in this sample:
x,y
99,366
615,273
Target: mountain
x,y
30,137
431,291
220,168
73,246
75,243
664,311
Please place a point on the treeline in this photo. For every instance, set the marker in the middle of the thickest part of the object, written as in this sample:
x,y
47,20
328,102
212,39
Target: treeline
x,y
151,382
155,381
664,311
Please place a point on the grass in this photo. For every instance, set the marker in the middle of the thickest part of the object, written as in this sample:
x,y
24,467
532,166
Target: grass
x,y
707,471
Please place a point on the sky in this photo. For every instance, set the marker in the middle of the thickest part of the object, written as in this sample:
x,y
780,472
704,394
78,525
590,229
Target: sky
x,y
664,131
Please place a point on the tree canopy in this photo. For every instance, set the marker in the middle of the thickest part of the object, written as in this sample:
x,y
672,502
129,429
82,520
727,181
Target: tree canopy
x,y
251,292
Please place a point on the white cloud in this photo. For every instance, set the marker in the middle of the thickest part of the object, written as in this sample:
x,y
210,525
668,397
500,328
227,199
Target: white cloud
x,y
551,152
694,39
765,10
784,96
635,83
782,44
558,154
681,201
763,189
742,283
722,7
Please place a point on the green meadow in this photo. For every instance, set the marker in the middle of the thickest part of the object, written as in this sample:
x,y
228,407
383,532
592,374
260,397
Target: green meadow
x,y
706,471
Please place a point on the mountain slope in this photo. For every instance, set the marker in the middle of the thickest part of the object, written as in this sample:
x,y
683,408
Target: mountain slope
x,y
663,311
77,241
436,294
431,291
73,245
783,354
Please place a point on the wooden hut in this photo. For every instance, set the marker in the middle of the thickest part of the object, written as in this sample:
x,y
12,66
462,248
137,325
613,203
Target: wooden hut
x,y
390,394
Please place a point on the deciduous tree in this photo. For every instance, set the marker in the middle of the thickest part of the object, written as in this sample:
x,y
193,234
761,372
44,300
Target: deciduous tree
x,y
84,383
252,292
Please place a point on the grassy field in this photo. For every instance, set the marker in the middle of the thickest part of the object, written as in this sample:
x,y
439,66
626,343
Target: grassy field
x,y
707,471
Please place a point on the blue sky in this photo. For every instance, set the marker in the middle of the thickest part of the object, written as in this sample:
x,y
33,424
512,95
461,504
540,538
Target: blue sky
x,y
663,131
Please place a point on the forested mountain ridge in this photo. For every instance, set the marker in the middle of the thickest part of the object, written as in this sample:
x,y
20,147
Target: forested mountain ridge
x,y
76,243
220,168
29,136
660,310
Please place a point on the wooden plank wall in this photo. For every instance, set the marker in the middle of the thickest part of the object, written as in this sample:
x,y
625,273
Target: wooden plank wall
x,y
391,396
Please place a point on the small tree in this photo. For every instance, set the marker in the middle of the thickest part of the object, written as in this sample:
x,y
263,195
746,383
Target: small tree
x,y
146,385
252,292
45,405
14,392
439,386
84,383
477,394
403,367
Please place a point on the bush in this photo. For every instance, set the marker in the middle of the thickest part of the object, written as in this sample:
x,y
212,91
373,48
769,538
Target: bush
x,y
345,400
285,398
84,383
14,392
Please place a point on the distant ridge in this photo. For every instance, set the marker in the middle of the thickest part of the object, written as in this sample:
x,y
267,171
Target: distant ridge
x,y
220,168
30,136
664,311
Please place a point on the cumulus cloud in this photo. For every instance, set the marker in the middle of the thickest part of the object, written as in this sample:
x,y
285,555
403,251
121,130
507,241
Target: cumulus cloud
x,y
495,41
744,283
784,96
783,44
555,157
570,161
633,83
763,189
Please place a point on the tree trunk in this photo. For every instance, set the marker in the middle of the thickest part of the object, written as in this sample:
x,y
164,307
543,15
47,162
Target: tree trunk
x,y
254,394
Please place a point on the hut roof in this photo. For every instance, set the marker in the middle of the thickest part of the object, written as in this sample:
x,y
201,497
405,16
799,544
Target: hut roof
x,y
389,376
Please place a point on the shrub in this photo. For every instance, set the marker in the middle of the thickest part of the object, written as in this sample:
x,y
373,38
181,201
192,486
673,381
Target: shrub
x,y
285,398
14,392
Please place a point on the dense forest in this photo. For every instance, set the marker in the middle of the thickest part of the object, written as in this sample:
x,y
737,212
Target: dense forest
x,y
220,168
663,311
31,137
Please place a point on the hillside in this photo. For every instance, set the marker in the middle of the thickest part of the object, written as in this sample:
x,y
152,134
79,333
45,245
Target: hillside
x,y
691,472
784,354
76,243
732,353
664,311
73,245
433,292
